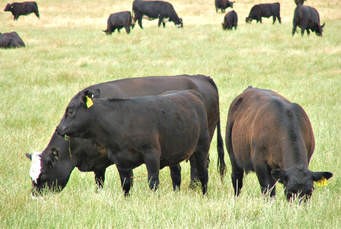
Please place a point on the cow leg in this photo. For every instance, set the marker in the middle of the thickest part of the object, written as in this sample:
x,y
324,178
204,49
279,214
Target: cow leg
x,y
99,178
293,30
308,32
273,19
126,177
127,28
153,167
200,155
265,179
279,19
175,172
302,32
160,21
236,176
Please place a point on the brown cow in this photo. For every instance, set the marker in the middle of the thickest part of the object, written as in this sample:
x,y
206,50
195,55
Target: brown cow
x,y
268,134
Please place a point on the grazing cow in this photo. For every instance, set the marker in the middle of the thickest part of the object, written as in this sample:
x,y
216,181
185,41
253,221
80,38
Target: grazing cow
x,y
155,9
22,8
87,156
268,134
118,21
11,40
307,18
230,20
158,130
222,5
264,10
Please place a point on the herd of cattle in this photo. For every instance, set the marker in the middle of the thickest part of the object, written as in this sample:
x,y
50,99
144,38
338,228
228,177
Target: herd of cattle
x,y
305,17
161,121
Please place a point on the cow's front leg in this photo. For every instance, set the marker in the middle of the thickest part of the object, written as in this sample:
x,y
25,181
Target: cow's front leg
x,y
152,160
160,21
265,179
126,176
99,178
294,30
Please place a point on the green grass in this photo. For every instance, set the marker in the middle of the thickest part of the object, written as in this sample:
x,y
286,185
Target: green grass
x,y
66,51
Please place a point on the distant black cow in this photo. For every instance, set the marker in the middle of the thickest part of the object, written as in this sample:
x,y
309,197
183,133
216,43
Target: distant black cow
x,y
230,20
22,8
268,134
222,5
307,18
155,9
159,131
264,10
118,21
52,167
11,40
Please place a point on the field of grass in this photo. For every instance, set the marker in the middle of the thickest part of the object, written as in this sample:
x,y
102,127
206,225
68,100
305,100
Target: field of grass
x,y
66,51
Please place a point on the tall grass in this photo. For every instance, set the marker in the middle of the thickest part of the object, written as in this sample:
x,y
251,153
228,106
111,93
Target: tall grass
x,y
66,51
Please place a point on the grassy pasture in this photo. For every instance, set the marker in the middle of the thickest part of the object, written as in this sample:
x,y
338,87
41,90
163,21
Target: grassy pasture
x,y
66,51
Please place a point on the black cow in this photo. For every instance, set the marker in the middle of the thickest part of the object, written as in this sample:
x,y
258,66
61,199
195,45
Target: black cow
x,y
268,134
158,130
307,18
118,21
22,8
11,40
155,9
230,20
54,165
264,10
222,5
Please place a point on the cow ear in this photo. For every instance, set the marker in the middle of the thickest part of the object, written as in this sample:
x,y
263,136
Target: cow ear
x,y
93,93
321,178
323,25
87,101
279,175
29,156
317,176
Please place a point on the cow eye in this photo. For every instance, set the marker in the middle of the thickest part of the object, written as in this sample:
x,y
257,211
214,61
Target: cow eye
x,y
69,112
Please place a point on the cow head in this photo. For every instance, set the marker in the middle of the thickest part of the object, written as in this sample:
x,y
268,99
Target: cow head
x,y
298,181
299,2
76,117
50,170
319,29
8,7
179,23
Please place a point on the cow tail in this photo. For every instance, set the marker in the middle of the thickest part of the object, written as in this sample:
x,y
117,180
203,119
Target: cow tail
x,y
220,148
220,143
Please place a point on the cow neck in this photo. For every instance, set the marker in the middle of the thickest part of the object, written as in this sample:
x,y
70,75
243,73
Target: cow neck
x,y
294,152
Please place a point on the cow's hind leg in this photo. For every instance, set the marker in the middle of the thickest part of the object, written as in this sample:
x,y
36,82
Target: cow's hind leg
x,y
236,176
126,176
200,156
175,172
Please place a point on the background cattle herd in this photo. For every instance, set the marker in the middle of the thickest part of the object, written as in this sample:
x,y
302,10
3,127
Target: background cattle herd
x,y
161,121
305,17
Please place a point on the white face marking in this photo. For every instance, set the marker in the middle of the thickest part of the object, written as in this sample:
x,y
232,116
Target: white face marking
x,y
35,166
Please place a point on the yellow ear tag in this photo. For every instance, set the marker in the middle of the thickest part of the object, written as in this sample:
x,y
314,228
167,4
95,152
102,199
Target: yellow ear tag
x,y
89,102
322,182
